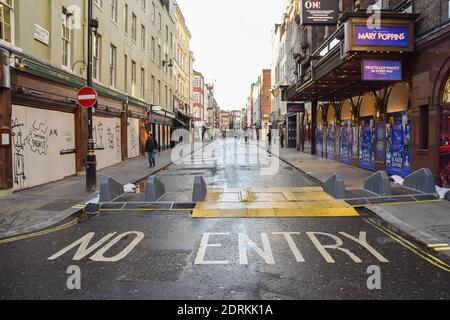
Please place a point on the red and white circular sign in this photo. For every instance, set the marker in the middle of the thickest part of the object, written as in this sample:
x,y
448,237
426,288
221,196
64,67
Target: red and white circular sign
x,y
87,97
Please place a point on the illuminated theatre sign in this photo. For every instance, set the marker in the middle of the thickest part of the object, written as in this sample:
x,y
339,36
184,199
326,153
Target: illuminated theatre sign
x,y
381,70
389,35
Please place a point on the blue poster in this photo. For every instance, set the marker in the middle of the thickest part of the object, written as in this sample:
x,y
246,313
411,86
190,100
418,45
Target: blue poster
x,y
380,150
330,141
398,144
367,144
346,142
319,140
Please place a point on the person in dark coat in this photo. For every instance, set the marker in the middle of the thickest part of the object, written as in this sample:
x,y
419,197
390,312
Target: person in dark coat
x,y
150,146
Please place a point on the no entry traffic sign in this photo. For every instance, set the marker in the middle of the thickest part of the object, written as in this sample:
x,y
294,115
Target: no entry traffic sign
x,y
87,97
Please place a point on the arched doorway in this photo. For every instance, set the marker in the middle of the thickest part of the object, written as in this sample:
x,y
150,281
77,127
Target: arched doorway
x,y
319,132
398,131
366,153
346,134
331,132
444,146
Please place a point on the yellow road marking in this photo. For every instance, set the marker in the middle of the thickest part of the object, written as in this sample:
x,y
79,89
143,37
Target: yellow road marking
x,y
433,245
40,233
405,243
442,249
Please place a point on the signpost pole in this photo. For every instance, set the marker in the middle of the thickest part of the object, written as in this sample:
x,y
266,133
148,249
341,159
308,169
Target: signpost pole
x,y
91,161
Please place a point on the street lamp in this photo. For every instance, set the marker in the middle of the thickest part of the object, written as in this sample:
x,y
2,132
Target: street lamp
x,y
91,159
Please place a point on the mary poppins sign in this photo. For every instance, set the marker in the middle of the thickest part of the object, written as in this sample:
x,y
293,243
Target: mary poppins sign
x,y
385,36
319,12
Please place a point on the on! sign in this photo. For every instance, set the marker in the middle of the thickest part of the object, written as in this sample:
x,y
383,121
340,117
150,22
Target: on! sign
x,y
87,97
319,12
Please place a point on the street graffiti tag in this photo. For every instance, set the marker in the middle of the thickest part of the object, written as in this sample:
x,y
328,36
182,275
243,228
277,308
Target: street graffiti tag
x,y
37,139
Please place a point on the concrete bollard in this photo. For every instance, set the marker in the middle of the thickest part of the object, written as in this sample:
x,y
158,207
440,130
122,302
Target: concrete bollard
x,y
155,189
335,186
379,184
110,189
422,180
200,189
447,196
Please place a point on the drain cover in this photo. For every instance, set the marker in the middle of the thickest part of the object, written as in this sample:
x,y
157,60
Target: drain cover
x,y
158,265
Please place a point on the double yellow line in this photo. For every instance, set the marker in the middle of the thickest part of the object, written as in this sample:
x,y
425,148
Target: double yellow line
x,y
41,233
412,247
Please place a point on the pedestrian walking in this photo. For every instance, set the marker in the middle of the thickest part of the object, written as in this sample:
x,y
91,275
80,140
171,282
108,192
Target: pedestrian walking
x,y
151,146
269,137
282,138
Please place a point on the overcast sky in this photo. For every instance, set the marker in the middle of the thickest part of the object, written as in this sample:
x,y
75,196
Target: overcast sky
x,y
231,41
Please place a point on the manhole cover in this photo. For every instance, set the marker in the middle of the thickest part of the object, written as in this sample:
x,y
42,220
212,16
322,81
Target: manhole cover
x,y
158,265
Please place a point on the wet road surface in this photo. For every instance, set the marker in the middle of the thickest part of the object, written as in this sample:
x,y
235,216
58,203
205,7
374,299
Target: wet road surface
x,y
169,255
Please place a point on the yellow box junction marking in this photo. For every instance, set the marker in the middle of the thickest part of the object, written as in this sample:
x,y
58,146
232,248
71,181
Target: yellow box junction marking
x,y
271,202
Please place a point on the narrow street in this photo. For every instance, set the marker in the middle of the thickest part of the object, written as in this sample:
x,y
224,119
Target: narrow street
x,y
168,254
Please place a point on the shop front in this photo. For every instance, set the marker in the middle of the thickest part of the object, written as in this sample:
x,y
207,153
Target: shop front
x,y
42,131
161,126
137,128
358,85
444,148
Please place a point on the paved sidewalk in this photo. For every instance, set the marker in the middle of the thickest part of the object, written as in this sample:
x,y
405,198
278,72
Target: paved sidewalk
x,y
427,223
43,206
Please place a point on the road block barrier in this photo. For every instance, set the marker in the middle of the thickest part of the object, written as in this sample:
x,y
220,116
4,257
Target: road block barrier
x,y
379,184
155,189
110,189
200,189
335,186
422,180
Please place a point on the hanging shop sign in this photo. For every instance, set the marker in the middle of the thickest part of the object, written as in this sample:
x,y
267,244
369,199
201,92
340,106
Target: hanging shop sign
x,y
346,142
398,144
391,34
319,12
295,107
367,143
381,70
382,36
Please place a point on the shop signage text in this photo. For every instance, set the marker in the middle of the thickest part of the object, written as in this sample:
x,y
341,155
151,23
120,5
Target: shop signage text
x,y
319,12
381,70
295,107
385,36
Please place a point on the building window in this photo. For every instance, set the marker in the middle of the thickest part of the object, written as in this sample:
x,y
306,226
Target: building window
x,y
114,10
196,97
66,38
159,21
126,18
96,55
144,4
447,91
153,12
167,97
159,55
6,20
143,36
112,66
196,82
152,88
167,63
133,78
153,49
133,27
142,83
424,127
99,3
126,73
171,40
159,92
167,34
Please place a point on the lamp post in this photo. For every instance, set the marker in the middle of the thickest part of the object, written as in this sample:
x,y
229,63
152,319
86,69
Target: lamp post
x,y
91,161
